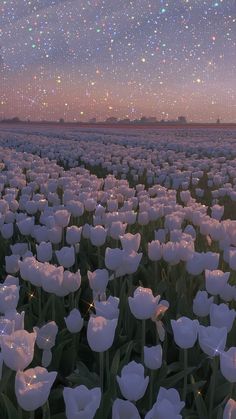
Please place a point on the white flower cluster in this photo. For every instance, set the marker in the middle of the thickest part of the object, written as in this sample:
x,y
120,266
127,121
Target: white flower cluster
x,y
155,222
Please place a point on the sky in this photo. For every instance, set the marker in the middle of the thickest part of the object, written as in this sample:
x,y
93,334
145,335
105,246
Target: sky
x,y
77,59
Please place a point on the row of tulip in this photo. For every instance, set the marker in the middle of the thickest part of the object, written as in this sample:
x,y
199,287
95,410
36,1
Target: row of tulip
x,y
177,163
85,261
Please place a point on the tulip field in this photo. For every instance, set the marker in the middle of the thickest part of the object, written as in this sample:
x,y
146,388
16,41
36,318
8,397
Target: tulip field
x,y
118,273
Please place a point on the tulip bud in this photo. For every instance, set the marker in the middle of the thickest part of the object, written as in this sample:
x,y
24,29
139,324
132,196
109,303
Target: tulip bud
x,y
12,264
26,226
98,280
117,229
100,333
217,212
9,297
108,309
98,235
55,234
90,204
153,357
74,321
113,258
130,242
46,357
202,304
230,409
215,281
86,231
76,208
130,374
19,248
81,402
46,335
170,251
211,260
7,231
18,349
17,318
185,332
71,282
195,265
168,405
212,340
123,409
62,218
73,235
154,250
44,251
160,235
228,364
32,387
222,316
66,256
143,304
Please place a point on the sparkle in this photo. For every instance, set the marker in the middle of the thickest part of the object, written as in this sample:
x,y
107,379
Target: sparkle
x,y
154,58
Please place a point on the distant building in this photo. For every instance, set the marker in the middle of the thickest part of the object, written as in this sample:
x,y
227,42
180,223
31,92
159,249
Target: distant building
x,y
111,120
61,121
218,121
182,120
124,121
93,121
143,119
13,120
152,119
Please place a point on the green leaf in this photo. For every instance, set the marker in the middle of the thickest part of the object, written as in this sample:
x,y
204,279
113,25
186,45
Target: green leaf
x,y
174,367
115,363
105,411
82,375
46,307
221,392
58,416
199,402
57,353
219,413
128,347
174,379
10,408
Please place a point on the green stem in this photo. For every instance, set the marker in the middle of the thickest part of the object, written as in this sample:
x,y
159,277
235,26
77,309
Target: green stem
x,y
5,379
114,283
231,395
53,307
101,364
46,411
30,300
213,384
155,275
143,339
74,340
99,257
39,303
63,236
76,260
31,415
20,413
107,369
72,300
151,388
185,374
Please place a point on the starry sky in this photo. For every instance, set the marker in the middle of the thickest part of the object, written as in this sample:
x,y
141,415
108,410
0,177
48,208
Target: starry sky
x,y
80,59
